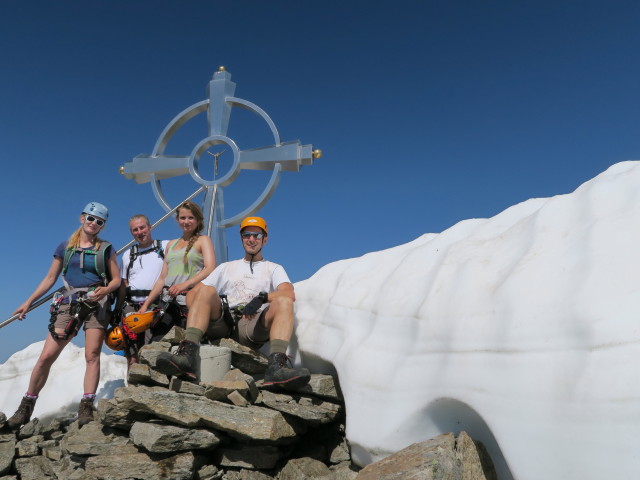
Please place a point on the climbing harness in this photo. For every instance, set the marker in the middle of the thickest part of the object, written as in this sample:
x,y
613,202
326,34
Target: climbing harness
x,y
79,310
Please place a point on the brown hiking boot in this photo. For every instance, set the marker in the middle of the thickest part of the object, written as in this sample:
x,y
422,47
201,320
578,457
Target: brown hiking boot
x,y
280,374
181,364
23,414
85,411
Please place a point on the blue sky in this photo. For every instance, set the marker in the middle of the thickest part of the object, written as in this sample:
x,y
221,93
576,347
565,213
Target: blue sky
x,y
428,113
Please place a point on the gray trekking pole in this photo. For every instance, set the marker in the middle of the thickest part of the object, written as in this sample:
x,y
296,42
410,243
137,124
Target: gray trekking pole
x,y
35,305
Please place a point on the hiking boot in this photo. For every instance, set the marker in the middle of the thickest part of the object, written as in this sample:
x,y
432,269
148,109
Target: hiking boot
x,y
85,411
280,375
23,414
180,364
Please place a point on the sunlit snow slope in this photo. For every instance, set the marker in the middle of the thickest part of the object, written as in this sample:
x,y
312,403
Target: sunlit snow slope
x,y
522,329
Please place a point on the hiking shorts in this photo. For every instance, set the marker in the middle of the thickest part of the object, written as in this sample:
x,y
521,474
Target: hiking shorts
x,y
98,318
251,333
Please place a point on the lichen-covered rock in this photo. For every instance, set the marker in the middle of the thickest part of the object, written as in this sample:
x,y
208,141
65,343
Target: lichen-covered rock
x,y
144,375
159,438
305,469
141,466
7,454
251,423
96,439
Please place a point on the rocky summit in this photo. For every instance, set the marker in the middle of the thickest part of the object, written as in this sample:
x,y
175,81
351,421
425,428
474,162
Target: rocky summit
x,y
230,429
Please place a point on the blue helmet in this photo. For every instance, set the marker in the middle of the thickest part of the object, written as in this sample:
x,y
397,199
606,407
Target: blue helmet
x,y
97,209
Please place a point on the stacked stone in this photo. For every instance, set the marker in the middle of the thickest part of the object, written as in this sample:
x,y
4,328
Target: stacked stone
x,y
162,428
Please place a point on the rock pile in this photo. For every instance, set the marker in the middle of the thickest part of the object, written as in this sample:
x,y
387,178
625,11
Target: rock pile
x,y
231,429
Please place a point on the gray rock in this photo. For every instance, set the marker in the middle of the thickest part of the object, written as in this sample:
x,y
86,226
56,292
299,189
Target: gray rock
x,y
140,374
54,429
246,359
35,468
434,459
252,423
3,420
29,446
313,410
8,437
148,354
344,471
323,386
141,466
475,460
304,468
34,427
237,399
181,386
208,472
95,439
174,336
51,449
237,374
111,415
220,389
158,438
340,453
7,454
246,475
71,467
255,457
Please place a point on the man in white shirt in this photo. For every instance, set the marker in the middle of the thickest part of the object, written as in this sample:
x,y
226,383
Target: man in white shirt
x,y
141,266
256,307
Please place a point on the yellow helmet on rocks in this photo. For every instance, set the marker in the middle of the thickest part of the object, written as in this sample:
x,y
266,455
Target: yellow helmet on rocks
x,y
254,222
115,339
139,322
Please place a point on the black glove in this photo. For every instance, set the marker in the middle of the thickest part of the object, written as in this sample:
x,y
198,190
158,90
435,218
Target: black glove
x,y
254,305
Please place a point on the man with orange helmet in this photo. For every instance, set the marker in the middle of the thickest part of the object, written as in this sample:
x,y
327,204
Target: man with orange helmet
x,y
262,296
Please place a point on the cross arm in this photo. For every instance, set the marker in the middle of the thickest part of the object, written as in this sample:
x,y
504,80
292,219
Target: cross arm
x,y
164,166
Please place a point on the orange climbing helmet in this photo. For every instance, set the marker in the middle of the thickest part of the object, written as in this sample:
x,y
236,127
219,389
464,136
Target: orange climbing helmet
x,y
254,222
115,339
139,322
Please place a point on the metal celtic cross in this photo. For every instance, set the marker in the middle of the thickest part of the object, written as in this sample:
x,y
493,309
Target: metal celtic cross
x,y
279,157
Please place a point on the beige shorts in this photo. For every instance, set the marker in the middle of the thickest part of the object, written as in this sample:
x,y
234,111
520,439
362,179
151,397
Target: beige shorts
x,y
250,333
98,318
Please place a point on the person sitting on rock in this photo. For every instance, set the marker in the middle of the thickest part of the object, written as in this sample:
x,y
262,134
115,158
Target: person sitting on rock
x,y
262,292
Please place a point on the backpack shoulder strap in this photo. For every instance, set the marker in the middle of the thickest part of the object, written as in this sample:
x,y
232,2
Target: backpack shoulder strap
x,y
101,263
133,254
68,253
157,246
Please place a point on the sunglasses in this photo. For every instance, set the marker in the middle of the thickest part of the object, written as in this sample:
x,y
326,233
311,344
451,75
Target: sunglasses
x,y
91,218
257,235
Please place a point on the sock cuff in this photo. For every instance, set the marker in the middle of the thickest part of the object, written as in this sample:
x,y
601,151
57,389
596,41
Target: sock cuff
x,y
278,346
193,334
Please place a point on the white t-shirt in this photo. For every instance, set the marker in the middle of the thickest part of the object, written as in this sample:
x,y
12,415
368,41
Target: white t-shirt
x,y
235,280
145,269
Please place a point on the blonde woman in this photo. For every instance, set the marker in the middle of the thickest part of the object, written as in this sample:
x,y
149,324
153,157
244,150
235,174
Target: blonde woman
x,y
90,274
188,260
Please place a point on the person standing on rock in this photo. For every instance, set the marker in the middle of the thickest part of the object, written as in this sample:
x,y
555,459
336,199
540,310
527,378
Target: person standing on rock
x,y
260,294
187,260
141,267
90,274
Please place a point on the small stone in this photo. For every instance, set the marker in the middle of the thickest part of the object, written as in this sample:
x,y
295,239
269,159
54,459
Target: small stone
x,y
237,399
148,354
145,375
181,386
